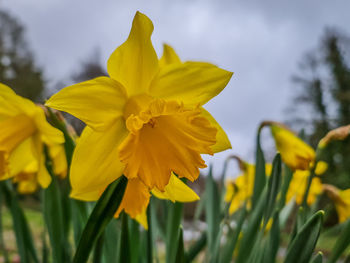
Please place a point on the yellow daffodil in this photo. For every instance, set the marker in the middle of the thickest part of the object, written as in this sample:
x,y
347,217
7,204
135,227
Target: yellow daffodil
x,y
23,133
341,199
334,135
240,190
298,185
294,152
145,120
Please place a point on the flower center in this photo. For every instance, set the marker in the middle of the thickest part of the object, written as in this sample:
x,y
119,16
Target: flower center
x,y
165,137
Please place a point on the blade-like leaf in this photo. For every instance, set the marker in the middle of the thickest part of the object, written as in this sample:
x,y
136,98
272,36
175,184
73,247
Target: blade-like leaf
x,y
172,231
212,215
124,255
180,254
260,174
250,233
273,187
196,248
103,212
305,241
342,243
232,238
318,258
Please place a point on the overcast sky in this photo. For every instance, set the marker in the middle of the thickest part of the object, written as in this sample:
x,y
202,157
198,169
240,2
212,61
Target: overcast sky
x,y
260,41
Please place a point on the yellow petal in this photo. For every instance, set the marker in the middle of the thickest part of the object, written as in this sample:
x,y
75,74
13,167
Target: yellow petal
x,y
27,186
97,102
192,83
321,167
176,190
43,176
22,156
49,135
222,141
95,162
169,56
135,62
12,104
142,219
135,199
294,152
15,130
58,155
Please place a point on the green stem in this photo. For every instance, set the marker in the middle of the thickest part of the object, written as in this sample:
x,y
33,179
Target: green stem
x,y
149,235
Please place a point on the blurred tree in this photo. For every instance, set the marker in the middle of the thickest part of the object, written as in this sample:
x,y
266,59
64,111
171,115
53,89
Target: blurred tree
x,y
323,101
17,67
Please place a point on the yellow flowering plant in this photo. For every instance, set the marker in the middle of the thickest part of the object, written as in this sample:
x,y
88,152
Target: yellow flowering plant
x,y
24,134
145,120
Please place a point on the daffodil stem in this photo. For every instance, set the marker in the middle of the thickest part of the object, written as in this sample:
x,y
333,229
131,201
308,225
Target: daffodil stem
x,y
149,235
307,190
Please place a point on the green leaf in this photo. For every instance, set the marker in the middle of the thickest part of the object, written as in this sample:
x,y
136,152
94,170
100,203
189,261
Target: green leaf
x,y
304,243
98,250
124,254
251,232
272,245
273,188
196,248
112,239
102,214
212,215
318,258
342,243
180,253
24,239
134,240
174,218
52,209
260,173
232,238
286,179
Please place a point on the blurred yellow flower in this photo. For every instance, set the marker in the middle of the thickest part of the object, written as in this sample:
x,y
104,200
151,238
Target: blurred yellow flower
x,y
145,120
341,199
23,133
298,185
294,152
240,189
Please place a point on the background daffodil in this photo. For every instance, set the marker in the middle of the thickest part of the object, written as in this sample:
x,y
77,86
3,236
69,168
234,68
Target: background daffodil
x,y
240,189
341,199
23,133
145,120
298,185
294,152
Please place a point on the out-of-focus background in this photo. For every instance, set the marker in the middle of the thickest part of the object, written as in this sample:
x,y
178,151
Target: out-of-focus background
x,y
290,59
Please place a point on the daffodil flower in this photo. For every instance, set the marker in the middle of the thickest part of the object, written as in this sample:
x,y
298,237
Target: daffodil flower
x,y
295,153
23,133
145,120
341,199
298,185
240,189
